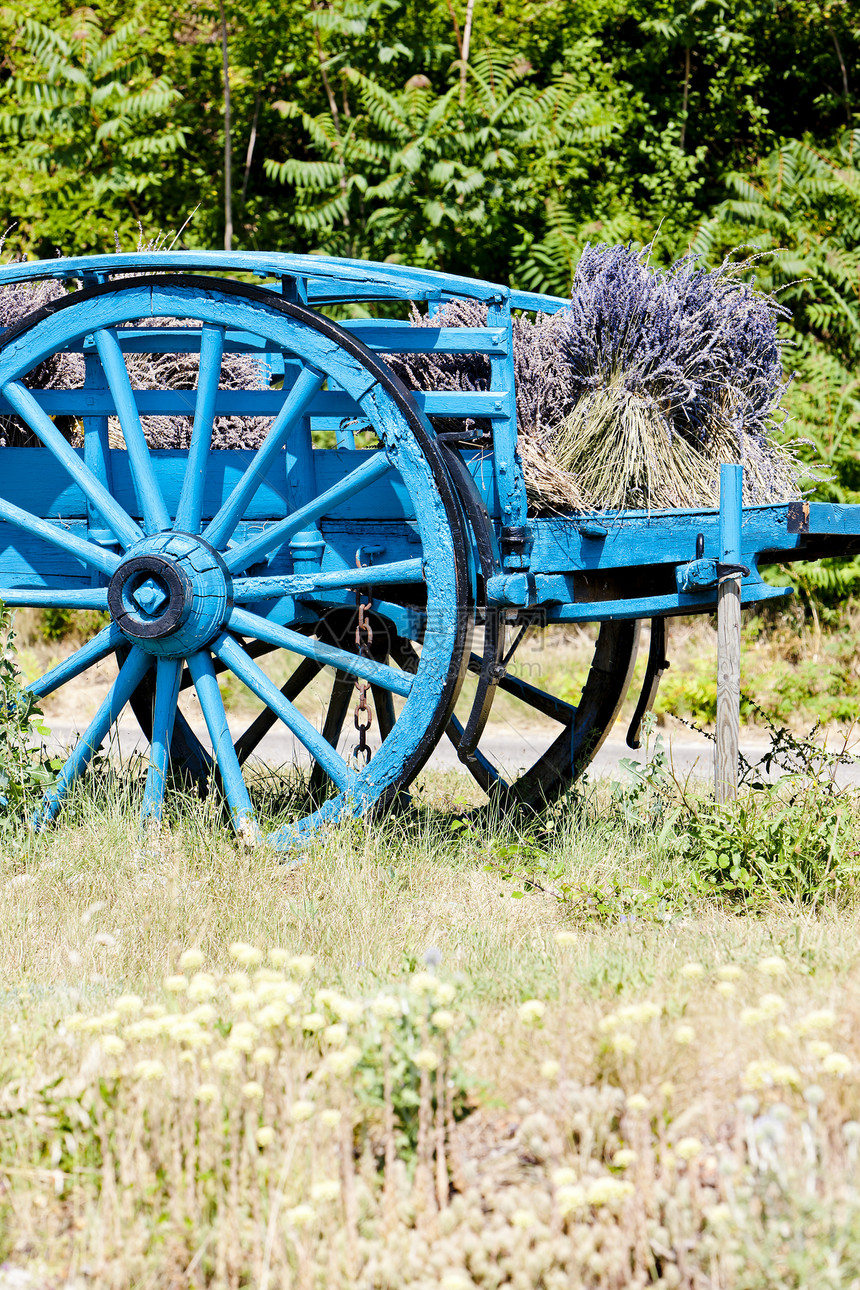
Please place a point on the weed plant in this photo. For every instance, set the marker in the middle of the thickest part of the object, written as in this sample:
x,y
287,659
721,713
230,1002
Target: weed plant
x,y
24,771
658,1113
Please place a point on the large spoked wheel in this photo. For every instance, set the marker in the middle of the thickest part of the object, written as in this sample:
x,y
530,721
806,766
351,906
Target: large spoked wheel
x,y
192,593
579,729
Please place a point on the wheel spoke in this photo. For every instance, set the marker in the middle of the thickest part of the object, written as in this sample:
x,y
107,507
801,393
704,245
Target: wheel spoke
x,y
256,680
239,557
301,678
306,584
298,401
120,524
33,597
335,716
131,674
385,714
482,770
209,375
108,639
146,486
94,556
547,704
247,624
167,674
235,790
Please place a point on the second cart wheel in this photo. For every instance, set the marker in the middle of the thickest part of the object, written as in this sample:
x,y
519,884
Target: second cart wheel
x,y
582,727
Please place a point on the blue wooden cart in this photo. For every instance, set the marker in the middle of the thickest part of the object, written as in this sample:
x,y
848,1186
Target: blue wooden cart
x,y
355,538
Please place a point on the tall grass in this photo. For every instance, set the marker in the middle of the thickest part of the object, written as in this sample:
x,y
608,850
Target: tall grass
x,y
449,1050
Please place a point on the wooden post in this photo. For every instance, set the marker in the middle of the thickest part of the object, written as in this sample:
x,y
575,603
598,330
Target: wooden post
x,y
729,638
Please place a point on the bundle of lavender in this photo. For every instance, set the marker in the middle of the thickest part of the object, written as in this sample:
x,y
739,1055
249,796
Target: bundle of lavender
x,y
636,393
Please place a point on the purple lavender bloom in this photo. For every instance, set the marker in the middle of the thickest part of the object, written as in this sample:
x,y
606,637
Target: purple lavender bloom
x,y
701,345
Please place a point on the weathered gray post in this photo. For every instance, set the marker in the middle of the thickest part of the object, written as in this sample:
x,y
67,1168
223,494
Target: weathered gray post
x,y
729,637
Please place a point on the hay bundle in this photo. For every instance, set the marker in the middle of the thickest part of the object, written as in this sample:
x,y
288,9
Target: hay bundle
x,y
636,393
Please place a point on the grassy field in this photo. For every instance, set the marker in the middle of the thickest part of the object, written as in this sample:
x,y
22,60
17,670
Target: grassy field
x,y
615,1045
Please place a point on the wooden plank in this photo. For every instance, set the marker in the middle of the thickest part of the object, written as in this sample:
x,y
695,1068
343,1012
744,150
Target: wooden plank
x,y
385,336
829,518
327,276
729,638
260,403
34,475
403,339
598,611
663,537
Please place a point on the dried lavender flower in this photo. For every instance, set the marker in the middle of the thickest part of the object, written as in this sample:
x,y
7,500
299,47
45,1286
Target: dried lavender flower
x,y
634,394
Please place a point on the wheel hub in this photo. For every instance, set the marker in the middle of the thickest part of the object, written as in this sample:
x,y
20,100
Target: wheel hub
x,y
171,595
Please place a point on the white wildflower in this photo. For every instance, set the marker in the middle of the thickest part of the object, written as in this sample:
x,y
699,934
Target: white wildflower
x,y
531,1012
245,955
190,960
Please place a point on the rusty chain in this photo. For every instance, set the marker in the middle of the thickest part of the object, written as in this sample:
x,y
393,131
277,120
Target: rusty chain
x,y
363,718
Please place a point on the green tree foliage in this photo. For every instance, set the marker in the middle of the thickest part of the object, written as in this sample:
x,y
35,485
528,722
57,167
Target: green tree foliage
x,y
481,138
800,205
90,121
419,176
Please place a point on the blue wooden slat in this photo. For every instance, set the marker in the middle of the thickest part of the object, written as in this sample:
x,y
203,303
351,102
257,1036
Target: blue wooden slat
x,y
325,277
368,279
190,509
30,472
510,484
663,537
97,450
599,611
384,335
255,627
259,403
534,302
404,339
731,513
833,518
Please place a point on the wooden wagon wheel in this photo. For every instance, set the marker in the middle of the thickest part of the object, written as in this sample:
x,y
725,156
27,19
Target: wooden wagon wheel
x,y
582,728
179,582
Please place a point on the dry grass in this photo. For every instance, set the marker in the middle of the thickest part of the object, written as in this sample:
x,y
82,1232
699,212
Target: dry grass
x,y
618,450
670,1102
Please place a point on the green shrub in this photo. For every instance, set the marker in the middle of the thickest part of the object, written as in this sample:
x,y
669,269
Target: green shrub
x,y
25,771
58,624
791,840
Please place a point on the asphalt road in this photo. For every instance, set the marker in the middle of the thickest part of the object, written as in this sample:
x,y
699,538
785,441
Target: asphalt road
x,y
510,749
